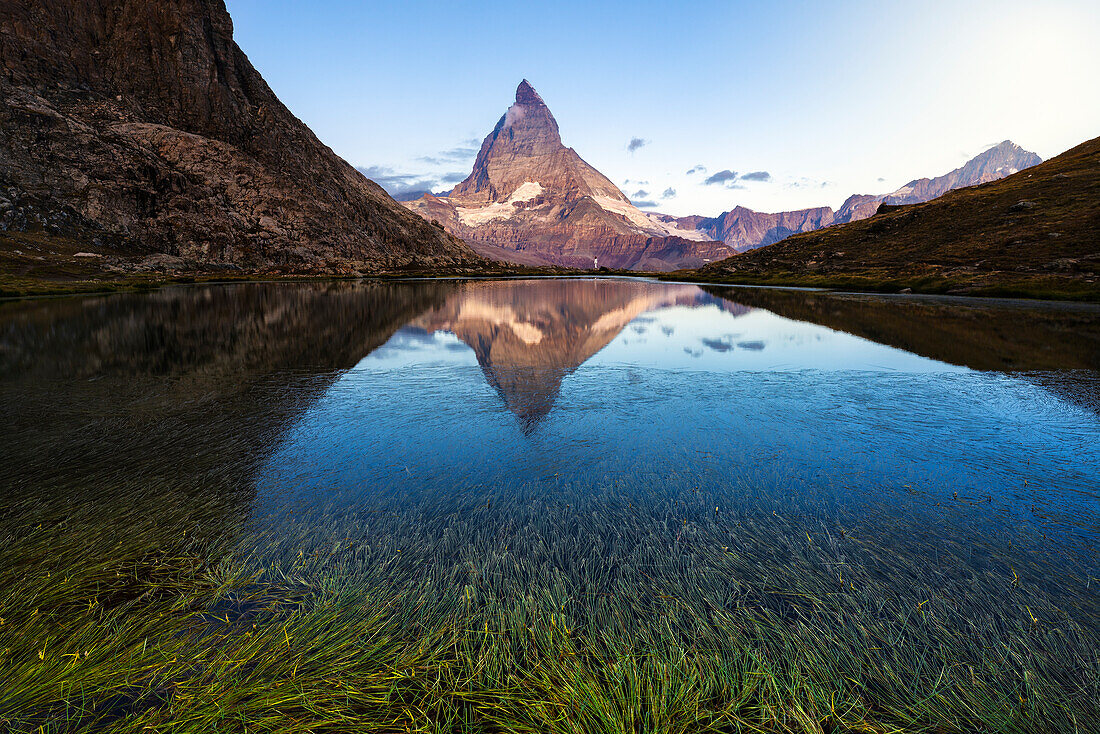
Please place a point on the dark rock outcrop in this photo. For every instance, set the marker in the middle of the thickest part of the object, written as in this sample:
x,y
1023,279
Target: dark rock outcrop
x,y
141,126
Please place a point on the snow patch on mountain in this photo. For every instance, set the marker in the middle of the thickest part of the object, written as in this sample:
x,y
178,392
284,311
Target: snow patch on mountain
x,y
649,223
474,216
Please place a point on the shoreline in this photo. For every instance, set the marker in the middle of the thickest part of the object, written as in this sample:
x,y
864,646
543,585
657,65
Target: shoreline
x,y
1026,290
57,271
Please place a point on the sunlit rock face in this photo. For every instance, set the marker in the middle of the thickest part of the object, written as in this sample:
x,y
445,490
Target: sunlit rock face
x,y
532,200
744,229
529,335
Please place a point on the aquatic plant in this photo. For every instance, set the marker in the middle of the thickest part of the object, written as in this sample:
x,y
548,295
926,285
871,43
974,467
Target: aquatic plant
x,y
623,610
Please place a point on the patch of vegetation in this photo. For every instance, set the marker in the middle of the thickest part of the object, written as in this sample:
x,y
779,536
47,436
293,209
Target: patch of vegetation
x,y
1009,285
159,619
38,263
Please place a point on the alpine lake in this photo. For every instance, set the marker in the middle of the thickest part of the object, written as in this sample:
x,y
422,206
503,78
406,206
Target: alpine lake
x,y
549,505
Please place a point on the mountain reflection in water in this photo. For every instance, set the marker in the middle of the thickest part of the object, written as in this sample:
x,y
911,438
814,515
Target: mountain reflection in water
x,y
529,335
107,381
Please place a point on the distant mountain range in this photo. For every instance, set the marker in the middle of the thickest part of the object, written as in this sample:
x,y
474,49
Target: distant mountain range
x,y
744,229
531,200
1033,232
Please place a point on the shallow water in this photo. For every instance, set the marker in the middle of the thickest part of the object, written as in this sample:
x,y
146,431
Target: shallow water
x,y
584,436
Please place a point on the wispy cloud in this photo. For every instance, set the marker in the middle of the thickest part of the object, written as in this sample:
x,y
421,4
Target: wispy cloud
x,y
639,194
697,169
462,153
636,143
723,177
732,179
807,183
668,193
404,186
644,204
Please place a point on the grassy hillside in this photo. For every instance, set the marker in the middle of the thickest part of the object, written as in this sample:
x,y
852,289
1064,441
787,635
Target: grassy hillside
x,y
1036,233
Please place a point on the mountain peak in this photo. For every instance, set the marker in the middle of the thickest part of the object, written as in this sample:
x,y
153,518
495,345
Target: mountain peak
x,y
525,149
1005,157
526,94
531,195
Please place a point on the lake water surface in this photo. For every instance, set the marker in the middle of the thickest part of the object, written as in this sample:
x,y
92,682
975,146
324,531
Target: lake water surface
x,y
624,451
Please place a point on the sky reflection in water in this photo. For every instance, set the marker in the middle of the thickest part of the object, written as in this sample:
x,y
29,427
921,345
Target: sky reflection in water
x,y
568,384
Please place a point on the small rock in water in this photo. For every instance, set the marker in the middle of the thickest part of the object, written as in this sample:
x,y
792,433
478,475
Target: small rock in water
x,y
906,290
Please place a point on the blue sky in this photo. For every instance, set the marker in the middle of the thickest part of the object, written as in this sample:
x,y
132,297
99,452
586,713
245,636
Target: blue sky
x,y
828,99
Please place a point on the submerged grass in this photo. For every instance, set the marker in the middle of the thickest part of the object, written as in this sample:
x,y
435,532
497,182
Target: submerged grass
x,y
501,614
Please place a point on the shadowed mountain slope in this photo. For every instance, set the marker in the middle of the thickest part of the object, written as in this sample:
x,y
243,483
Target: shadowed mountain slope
x,y
140,126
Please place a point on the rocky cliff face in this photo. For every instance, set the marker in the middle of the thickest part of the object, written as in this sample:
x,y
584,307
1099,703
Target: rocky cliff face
x,y
530,199
744,229
525,147
140,126
858,206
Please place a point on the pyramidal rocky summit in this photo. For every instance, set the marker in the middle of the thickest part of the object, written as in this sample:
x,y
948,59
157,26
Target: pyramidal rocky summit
x,y
530,199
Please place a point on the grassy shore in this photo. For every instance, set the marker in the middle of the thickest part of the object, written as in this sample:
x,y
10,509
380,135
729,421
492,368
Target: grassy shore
x,y
171,616
996,285
33,264
40,264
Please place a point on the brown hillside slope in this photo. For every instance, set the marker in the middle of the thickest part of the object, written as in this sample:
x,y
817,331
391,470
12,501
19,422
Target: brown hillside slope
x,y
139,126
1034,233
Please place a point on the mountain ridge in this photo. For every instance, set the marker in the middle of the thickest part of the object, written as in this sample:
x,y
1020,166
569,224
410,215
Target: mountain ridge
x,y
1030,233
141,127
745,229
